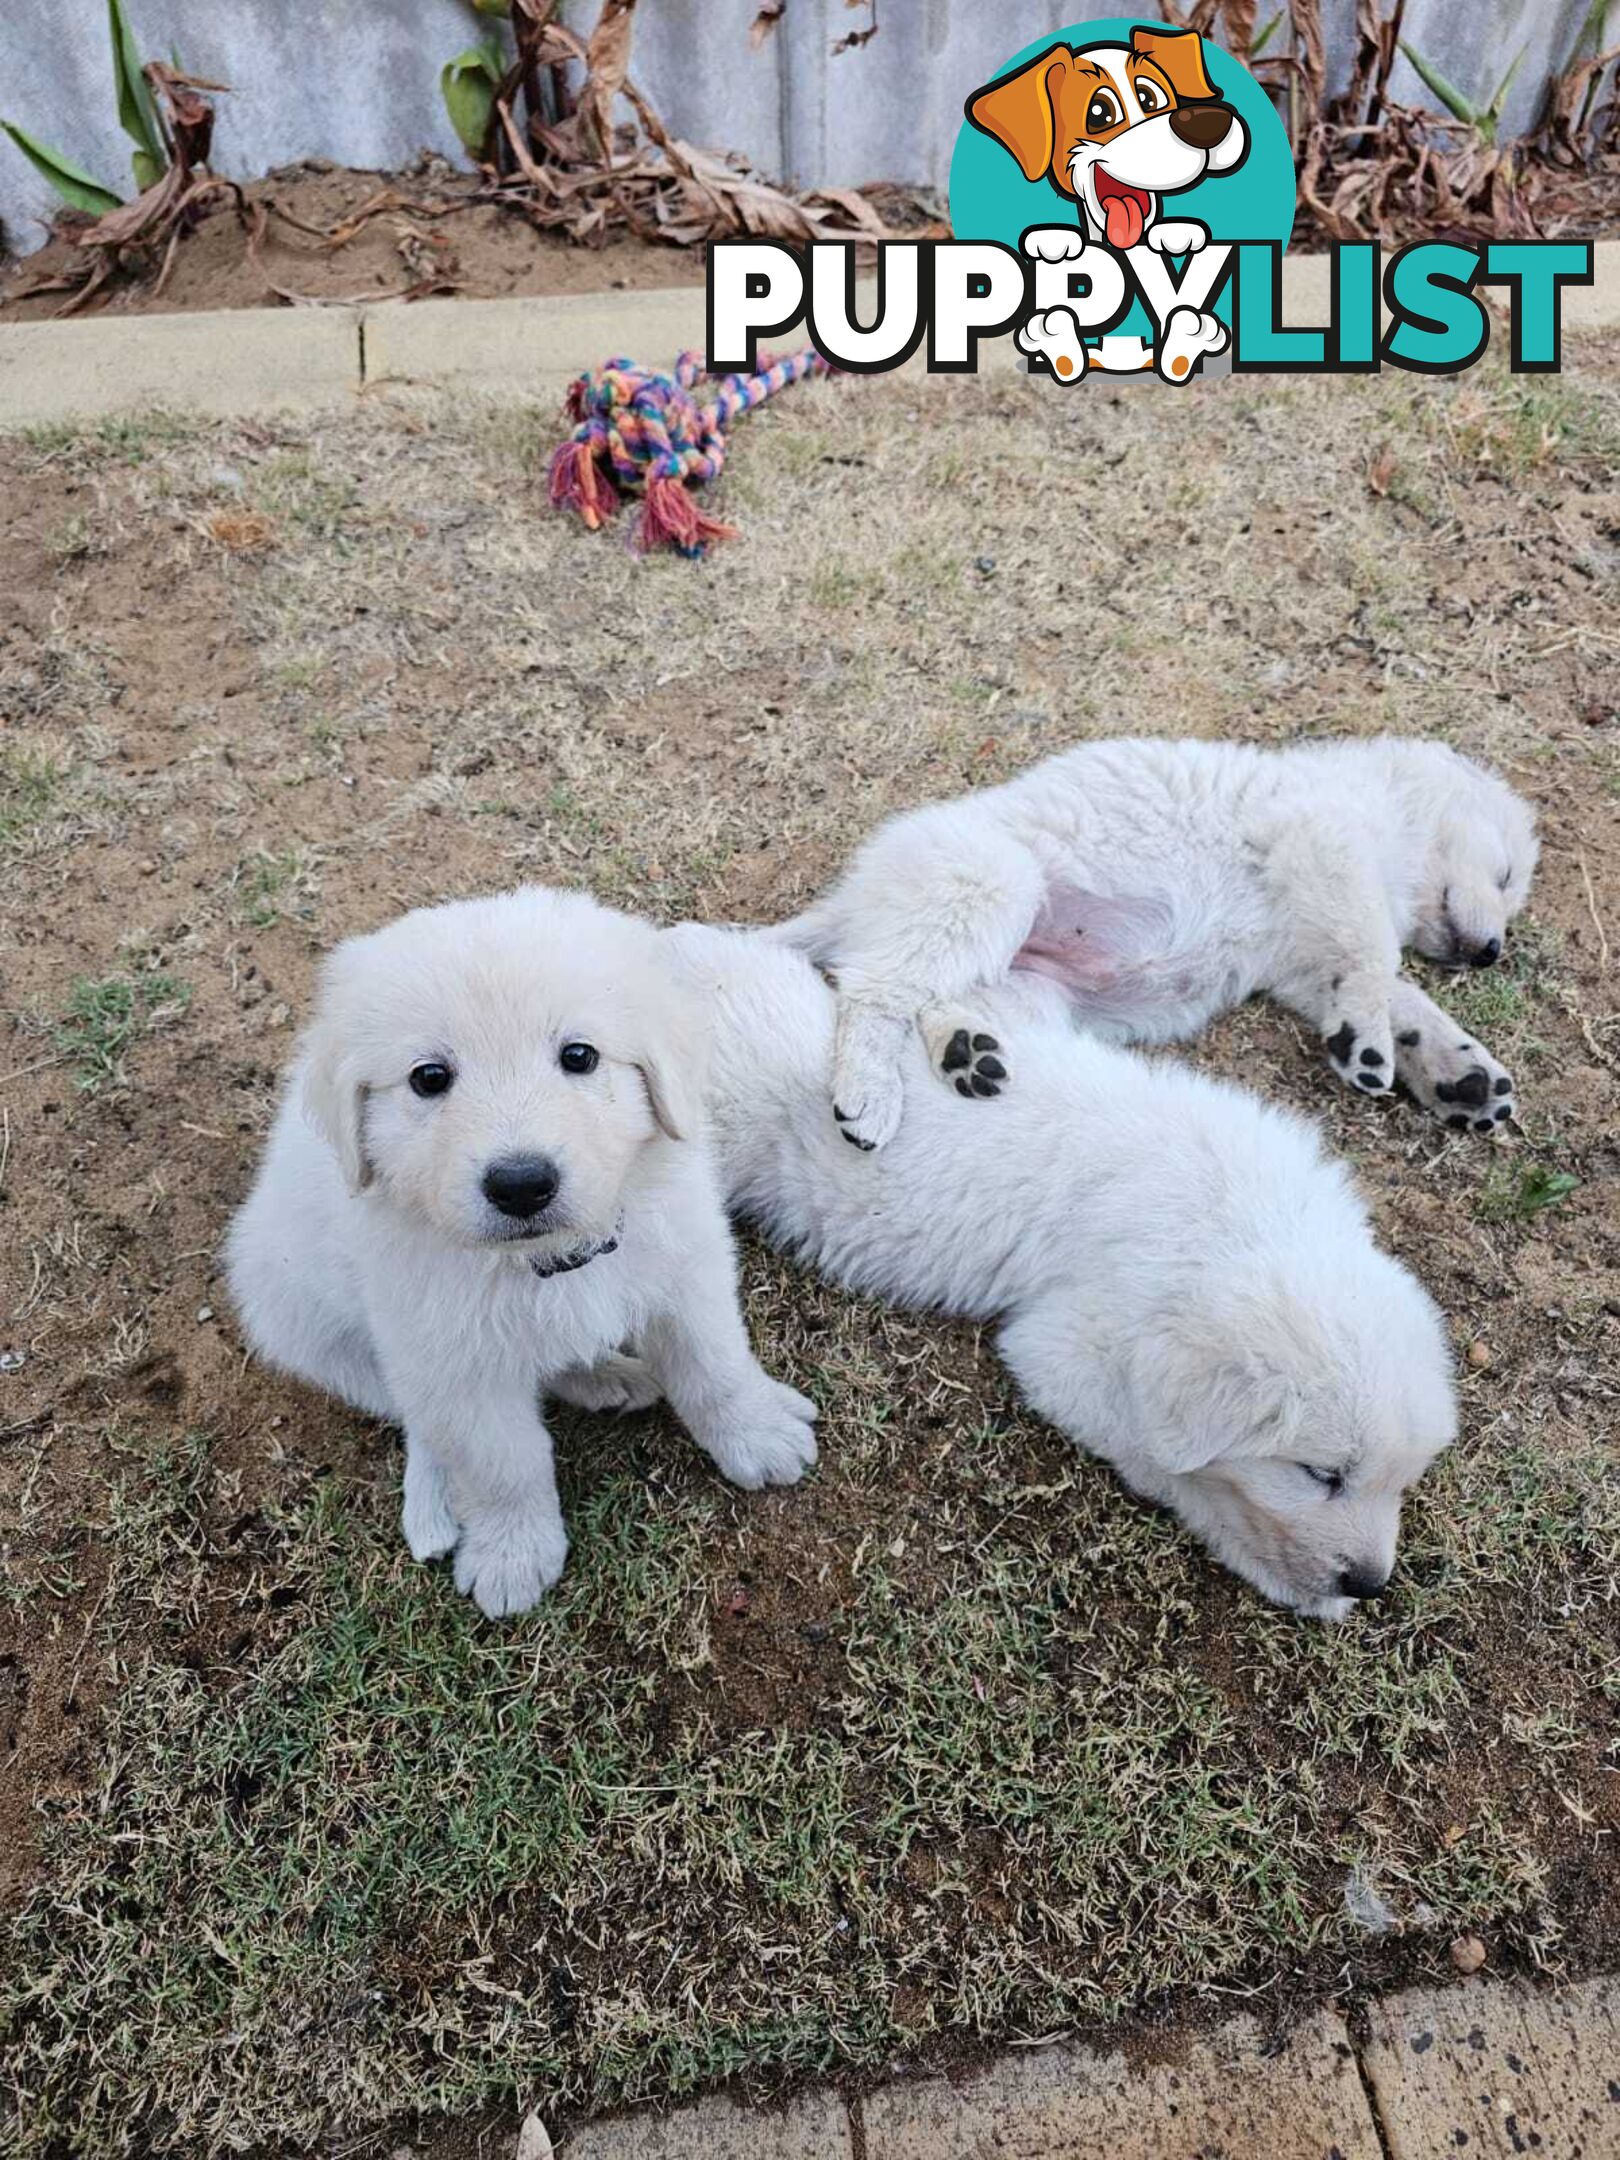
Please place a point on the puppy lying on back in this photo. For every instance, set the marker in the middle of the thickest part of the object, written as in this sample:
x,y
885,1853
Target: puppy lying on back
x,y
1159,883
1186,1286
489,1172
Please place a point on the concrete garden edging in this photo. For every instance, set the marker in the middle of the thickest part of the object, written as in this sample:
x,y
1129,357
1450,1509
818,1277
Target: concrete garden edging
x,y
248,360
1488,2068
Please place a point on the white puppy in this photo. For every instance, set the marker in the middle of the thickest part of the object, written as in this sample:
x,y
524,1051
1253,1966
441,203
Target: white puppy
x,y
489,1172
1159,883
1187,1286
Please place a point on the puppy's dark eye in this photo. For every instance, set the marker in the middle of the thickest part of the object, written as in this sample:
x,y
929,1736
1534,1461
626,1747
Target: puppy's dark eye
x,y
1150,97
578,1058
431,1079
1331,1481
1102,112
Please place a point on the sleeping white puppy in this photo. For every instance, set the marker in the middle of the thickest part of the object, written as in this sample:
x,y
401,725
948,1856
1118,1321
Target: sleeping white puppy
x,y
1158,883
1187,1286
489,1172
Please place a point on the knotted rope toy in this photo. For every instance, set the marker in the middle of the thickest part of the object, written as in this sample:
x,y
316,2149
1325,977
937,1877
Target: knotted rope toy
x,y
640,429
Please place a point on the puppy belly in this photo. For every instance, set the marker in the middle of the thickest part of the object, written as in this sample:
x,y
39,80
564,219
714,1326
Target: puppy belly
x,y
1123,964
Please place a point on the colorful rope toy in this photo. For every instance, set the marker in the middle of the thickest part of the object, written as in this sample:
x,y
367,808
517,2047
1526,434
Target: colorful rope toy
x,y
639,429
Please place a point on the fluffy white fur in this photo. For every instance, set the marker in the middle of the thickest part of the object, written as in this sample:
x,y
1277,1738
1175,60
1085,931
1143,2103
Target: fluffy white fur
x,y
1158,883
1186,1285
370,1260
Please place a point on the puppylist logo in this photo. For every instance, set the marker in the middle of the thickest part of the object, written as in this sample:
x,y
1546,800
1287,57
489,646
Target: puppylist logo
x,y
1121,197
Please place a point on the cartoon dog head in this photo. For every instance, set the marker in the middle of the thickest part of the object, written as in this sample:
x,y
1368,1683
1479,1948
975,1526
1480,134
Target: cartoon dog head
x,y
1115,127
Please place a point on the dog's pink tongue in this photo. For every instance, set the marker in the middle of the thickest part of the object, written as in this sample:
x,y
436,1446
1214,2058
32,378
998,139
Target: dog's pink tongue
x,y
1124,218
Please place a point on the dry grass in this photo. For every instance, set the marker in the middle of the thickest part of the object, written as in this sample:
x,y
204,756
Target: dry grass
x,y
956,1739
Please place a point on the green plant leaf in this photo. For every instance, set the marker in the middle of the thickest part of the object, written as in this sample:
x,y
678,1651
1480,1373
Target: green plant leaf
x,y
136,114
469,83
1460,107
69,182
148,170
1263,37
1494,109
1541,1188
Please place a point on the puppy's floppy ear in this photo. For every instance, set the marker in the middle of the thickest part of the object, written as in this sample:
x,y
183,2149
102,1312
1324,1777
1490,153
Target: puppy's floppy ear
x,y
334,1094
1180,54
671,1055
1225,1401
1017,110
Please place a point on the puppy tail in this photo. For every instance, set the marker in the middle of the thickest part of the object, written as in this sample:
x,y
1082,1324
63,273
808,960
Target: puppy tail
x,y
810,933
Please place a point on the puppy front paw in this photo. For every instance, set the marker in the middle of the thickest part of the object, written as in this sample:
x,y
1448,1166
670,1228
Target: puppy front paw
x,y
766,1439
507,1561
1363,1057
427,1518
1455,1078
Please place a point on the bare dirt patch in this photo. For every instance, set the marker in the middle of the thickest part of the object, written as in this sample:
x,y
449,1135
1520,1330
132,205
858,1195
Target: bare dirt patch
x,y
956,1741
433,231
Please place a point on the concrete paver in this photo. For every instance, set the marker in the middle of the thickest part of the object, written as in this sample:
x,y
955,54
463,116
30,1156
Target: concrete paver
x,y
247,360
1230,2095
1495,2069
815,2127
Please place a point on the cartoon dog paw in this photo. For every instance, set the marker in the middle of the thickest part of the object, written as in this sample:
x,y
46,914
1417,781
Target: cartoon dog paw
x,y
1177,236
1188,336
1455,1078
1055,338
964,1055
1054,243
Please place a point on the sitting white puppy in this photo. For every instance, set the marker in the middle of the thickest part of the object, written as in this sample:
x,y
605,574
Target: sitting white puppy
x,y
1159,883
489,1172
1187,1286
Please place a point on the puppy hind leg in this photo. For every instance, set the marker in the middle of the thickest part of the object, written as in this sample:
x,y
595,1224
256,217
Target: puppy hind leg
x,y
1444,1068
937,909
867,1093
963,1051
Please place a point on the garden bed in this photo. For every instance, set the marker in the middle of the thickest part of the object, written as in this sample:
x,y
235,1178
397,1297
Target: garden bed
x,y
432,228
957,1741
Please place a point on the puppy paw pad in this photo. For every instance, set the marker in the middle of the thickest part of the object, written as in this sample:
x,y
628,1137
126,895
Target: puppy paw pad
x,y
971,1063
1341,1044
1473,1089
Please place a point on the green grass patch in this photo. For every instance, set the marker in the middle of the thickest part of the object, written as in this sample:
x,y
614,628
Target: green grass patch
x,y
404,1860
107,1015
31,784
269,887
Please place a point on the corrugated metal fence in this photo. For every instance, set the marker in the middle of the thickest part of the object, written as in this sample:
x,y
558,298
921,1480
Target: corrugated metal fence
x,y
324,78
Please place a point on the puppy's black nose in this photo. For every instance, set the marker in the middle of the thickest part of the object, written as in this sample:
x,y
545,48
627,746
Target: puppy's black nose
x,y
1486,955
521,1185
1362,1583
1202,126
